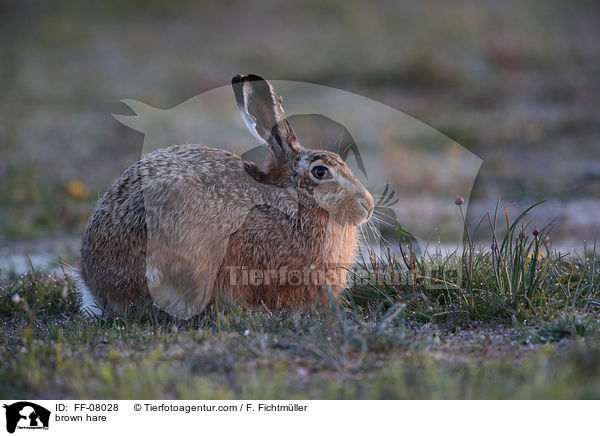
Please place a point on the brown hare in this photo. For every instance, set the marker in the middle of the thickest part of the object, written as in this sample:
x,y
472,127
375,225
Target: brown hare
x,y
190,224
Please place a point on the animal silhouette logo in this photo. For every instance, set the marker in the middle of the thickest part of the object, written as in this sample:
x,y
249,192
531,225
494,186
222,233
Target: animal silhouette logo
x,y
394,155
26,415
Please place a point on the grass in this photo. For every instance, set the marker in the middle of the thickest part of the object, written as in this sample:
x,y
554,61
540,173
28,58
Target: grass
x,y
256,354
507,322
518,278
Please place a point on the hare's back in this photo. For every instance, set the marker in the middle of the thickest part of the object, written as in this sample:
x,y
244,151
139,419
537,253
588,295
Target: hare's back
x,y
210,182
192,162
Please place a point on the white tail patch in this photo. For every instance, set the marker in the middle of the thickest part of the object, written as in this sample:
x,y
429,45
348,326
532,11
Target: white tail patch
x,y
89,306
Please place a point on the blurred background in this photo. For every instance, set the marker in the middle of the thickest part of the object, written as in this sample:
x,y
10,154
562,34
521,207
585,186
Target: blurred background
x,y
515,82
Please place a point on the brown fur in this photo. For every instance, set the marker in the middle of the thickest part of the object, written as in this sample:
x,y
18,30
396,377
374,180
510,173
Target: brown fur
x,y
270,241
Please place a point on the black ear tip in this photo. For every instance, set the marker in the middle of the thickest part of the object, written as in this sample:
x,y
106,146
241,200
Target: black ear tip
x,y
255,77
246,78
237,79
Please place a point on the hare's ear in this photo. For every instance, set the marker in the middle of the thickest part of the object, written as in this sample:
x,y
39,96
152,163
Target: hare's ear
x,y
261,110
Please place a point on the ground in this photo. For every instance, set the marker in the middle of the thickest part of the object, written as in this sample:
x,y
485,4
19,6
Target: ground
x,y
377,343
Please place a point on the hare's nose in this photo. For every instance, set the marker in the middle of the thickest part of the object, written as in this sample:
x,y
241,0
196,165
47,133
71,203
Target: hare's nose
x,y
366,201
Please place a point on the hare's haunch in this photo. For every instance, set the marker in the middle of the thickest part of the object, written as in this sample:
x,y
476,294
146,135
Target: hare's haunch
x,y
188,224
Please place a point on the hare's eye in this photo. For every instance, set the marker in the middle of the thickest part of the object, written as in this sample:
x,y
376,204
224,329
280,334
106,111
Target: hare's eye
x,y
320,172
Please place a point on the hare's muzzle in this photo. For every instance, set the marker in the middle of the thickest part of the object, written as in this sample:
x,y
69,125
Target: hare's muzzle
x,y
366,203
